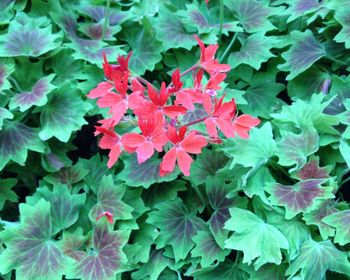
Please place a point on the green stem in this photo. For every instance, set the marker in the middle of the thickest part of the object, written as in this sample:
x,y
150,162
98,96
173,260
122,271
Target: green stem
x,y
221,19
104,31
13,80
345,181
238,256
222,58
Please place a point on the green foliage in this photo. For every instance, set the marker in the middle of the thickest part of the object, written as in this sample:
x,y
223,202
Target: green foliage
x,y
273,206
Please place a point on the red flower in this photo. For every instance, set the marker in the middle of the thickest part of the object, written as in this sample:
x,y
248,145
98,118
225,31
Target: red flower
x,y
106,214
208,61
152,138
192,143
176,81
158,104
221,117
243,124
110,141
111,71
101,90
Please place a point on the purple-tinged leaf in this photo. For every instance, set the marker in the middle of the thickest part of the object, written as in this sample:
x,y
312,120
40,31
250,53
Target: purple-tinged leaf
x,y
145,174
315,218
254,51
207,249
252,14
341,222
55,157
30,250
37,96
294,149
92,50
341,90
217,192
6,68
109,199
95,31
66,20
98,13
302,197
304,52
65,206
343,17
104,256
15,141
299,8
6,194
177,226
312,170
4,114
63,113
28,37
72,244
67,176
316,258
260,242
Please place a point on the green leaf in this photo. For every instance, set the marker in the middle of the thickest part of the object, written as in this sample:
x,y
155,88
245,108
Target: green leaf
x,y
177,226
4,114
37,96
109,199
316,258
252,14
341,222
206,164
344,149
15,141
6,194
29,37
304,196
64,205
207,249
305,51
104,256
295,148
63,113
30,250
223,271
145,46
260,242
145,174
269,271
343,17
6,68
253,152
254,51
299,8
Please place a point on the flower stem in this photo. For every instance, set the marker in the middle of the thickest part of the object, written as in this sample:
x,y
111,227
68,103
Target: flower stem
x,y
221,19
194,67
196,121
106,22
222,58
13,80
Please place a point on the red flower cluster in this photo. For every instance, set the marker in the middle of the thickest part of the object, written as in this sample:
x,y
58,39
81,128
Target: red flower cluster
x,y
160,113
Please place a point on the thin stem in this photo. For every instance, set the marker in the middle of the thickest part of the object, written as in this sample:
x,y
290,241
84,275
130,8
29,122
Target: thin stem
x,y
196,121
238,256
345,181
15,83
222,58
194,67
221,19
104,31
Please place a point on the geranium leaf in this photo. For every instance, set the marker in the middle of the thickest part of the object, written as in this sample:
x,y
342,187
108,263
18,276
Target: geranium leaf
x,y
295,148
28,37
6,194
254,51
109,199
171,31
68,175
344,149
343,17
64,205
341,222
177,226
223,271
37,96
217,192
207,249
304,196
72,243
312,170
29,246
252,14
206,164
315,218
145,174
63,113
305,51
316,258
104,256
4,114
268,271
260,242
146,48
340,90
6,68
299,8
15,141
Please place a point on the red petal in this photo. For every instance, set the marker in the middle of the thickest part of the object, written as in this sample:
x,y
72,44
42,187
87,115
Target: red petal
x,y
193,143
109,100
113,155
174,111
169,159
184,161
144,152
132,140
101,90
226,127
211,127
152,94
